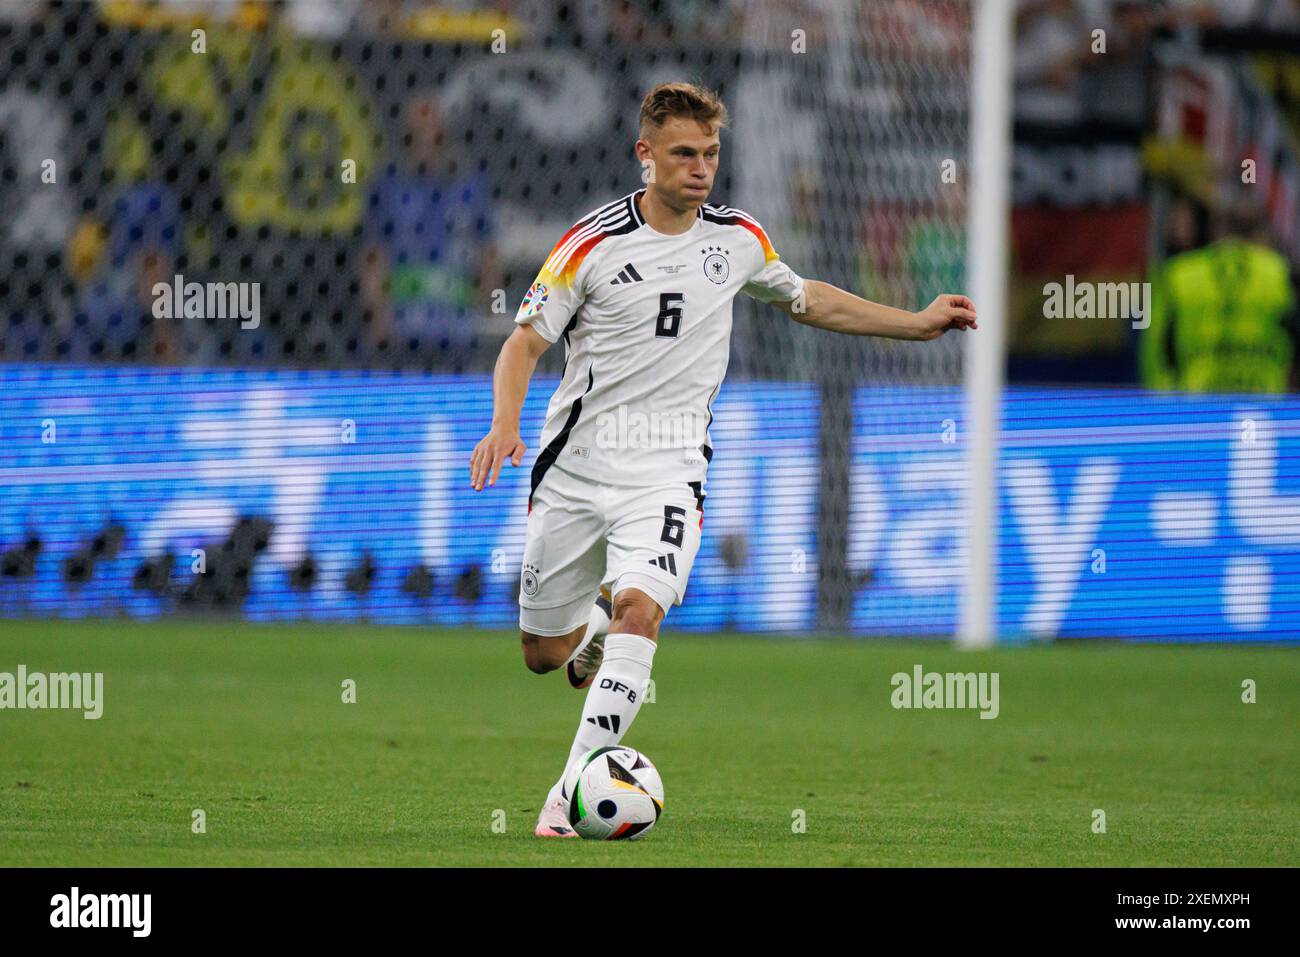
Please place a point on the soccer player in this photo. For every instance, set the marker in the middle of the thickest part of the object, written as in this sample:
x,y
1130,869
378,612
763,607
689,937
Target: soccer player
x,y
640,290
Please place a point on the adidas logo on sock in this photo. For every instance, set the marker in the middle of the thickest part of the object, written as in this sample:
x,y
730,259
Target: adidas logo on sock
x,y
627,274
666,562
608,722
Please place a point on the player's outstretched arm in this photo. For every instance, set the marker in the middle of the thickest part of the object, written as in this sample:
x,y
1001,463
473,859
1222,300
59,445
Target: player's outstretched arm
x,y
514,369
829,307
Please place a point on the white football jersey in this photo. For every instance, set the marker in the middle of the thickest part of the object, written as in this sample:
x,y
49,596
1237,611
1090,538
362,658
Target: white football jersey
x,y
646,323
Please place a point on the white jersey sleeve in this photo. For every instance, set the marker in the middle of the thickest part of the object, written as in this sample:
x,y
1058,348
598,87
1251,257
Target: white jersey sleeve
x,y
558,292
772,280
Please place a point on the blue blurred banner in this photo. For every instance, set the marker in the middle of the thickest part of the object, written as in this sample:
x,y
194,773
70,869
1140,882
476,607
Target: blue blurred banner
x,y
345,464
1123,513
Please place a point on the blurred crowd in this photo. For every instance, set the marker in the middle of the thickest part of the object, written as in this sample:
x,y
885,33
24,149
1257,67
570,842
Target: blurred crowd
x,y
391,183
1158,142
388,181
1060,78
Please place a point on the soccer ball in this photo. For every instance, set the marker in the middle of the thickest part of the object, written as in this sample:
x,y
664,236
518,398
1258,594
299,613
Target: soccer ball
x,y
613,794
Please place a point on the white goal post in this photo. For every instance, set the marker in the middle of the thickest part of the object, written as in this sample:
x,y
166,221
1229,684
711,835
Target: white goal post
x,y
992,52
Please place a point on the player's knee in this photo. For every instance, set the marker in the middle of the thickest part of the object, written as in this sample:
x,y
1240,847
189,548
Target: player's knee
x,y
537,656
543,653
636,613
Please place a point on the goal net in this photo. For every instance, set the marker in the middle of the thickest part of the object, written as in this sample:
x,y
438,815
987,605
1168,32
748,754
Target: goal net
x,y
256,261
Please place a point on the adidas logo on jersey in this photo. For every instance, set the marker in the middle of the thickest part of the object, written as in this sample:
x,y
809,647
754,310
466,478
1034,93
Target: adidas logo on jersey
x,y
666,562
627,274
608,722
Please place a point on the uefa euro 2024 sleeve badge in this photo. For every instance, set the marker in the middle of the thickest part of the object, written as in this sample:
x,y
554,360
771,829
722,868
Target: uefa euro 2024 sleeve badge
x,y
534,299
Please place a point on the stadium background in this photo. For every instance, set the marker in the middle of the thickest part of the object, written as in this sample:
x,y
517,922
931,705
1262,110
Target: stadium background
x,y
319,460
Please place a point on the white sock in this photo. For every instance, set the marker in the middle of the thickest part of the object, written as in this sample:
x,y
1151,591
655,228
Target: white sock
x,y
614,697
597,624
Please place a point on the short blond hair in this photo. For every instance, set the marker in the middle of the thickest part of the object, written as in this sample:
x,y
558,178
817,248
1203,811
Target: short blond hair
x,y
686,100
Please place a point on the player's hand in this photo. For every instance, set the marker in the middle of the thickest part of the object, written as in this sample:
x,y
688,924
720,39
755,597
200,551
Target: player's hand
x,y
946,313
493,451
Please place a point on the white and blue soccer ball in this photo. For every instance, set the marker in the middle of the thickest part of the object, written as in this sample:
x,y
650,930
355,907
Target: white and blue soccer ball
x,y
613,794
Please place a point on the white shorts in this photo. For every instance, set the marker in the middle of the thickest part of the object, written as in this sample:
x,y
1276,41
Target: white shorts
x,y
582,534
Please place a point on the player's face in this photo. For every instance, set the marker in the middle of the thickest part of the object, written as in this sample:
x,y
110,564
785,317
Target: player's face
x,y
685,157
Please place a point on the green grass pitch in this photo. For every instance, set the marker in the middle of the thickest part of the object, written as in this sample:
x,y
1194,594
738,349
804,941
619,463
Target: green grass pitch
x,y
246,722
